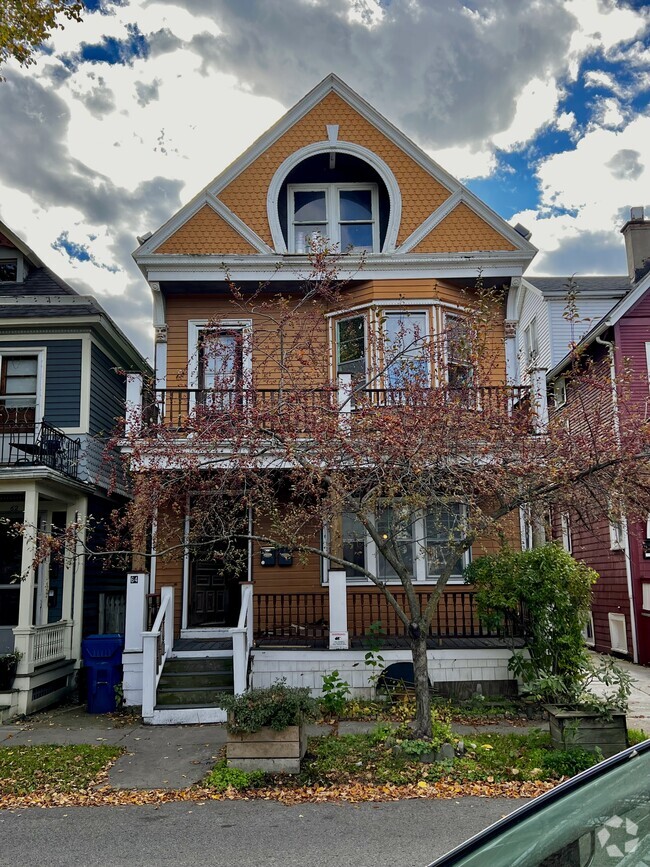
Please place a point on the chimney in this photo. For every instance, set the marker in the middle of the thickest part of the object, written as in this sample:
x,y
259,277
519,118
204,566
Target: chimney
x,y
637,244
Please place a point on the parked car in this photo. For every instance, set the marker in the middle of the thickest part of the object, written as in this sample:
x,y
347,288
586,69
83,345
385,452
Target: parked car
x,y
599,817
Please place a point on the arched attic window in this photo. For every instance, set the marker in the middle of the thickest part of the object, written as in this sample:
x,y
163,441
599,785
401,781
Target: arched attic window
x,y
347,202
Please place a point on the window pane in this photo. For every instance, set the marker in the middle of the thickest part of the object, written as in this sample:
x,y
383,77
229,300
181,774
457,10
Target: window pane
x,y
442,527
355,205
351,340
354,543
406,343
400,529
8,271
303,234
356,236
309,206
219,360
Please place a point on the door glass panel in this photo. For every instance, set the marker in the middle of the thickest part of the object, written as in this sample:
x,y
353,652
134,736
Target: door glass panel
x,y
355,205
354,543
443,527
220,359
392,525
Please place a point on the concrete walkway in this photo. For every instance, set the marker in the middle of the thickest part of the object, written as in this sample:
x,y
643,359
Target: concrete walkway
x,y
174,757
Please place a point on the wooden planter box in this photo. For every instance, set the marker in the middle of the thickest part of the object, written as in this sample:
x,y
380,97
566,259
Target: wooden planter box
x,y
268,750
576,728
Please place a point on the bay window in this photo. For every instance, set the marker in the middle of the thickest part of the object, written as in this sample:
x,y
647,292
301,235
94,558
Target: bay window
x,y
460,371
346,215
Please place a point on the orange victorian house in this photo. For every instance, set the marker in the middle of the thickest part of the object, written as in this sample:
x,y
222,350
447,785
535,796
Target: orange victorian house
x,y
415,240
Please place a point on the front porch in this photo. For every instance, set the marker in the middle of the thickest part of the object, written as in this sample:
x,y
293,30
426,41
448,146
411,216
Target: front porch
x,y
302,637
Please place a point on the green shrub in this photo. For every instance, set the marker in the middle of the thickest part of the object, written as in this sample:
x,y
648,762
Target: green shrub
x,y
278,707
335,693
223,777
568,763
636,736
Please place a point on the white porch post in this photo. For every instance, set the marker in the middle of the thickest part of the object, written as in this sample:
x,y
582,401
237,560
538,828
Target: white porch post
x,y
137,587
240,660
81,511
539,397
345,394
69,570
23,633
133,403
339,639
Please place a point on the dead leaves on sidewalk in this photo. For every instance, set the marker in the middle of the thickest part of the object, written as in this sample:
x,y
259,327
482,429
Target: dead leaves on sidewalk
x,y
355,793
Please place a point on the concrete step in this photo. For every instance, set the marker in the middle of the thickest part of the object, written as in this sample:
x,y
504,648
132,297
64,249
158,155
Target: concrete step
x,y
174,715
198,664
191,696
196,679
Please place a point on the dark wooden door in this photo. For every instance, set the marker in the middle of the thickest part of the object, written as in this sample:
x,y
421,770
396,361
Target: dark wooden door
x,y
214,598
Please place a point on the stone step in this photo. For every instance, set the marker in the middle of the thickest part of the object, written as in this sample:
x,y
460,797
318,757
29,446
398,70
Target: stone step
x,y
198,664
191,696
195,679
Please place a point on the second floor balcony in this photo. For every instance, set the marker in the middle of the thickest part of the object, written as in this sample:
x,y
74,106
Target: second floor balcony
x,y
187,410
26,443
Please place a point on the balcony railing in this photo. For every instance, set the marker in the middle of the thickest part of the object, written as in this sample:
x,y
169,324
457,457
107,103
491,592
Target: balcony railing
x,y
182,409
25,443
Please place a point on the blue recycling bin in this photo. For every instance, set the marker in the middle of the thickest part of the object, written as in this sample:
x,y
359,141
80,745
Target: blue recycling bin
x,y
102,658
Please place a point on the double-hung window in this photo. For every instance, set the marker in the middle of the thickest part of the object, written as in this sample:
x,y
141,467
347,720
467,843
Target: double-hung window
x,y
406,349
344,215
444,527
18,389
460,370
531,345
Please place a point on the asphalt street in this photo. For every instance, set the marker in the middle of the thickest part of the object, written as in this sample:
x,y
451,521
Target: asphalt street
x,y
244,834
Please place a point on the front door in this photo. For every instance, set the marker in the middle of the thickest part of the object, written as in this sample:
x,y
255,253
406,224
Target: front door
x,y
214,597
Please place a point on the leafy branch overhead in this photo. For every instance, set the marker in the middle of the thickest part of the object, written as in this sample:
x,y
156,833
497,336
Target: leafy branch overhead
x,y
26,24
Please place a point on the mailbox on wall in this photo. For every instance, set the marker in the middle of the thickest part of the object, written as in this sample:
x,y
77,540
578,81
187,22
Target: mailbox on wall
x,y
285,557
267,556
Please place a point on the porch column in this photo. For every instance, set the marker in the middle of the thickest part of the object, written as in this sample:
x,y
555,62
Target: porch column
x,y
69,569
81,512
137,587
540,398
133,403
23,632
338,590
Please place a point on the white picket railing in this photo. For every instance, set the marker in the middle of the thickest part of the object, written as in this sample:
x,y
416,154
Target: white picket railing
x,y
40,645
156,647
242,640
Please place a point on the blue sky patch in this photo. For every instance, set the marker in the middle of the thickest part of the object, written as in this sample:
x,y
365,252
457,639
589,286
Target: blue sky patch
x,y
80,252
117,51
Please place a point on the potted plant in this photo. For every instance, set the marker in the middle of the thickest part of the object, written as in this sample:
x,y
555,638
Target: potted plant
x,y
266,728
577,716
8,665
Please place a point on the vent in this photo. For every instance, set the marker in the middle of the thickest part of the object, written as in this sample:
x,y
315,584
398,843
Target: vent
x,y
617,632
47,688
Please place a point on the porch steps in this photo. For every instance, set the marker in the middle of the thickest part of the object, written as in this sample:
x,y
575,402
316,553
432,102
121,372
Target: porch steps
x,y
189,689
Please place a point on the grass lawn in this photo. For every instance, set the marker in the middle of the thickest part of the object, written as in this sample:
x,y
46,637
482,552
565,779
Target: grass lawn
x,y
25,770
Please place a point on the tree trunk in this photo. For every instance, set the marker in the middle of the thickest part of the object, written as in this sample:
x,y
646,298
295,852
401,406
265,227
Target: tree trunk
x,y
421,677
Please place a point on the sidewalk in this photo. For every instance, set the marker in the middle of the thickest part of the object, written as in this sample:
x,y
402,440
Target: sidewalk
x,y
175,757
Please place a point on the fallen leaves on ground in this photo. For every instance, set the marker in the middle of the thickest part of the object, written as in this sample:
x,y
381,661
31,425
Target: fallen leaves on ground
x,y
354,793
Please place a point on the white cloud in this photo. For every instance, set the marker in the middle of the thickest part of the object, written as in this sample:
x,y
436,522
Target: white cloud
x,y
536,108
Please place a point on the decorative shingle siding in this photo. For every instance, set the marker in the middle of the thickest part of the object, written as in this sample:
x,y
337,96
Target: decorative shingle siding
x,y
461,231
107,393
204,233
246,194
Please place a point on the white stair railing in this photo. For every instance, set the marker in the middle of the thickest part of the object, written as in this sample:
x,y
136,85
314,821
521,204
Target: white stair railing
x,y
242,640
156,648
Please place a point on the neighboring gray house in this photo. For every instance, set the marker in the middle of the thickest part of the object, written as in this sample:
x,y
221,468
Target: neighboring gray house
x,y
549,323
62,389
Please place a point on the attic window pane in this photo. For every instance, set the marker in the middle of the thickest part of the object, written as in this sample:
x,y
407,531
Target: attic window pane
x,y
310,207
356,236
356,205
8,270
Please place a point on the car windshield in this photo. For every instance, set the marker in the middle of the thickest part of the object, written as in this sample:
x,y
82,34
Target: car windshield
x,y
606,821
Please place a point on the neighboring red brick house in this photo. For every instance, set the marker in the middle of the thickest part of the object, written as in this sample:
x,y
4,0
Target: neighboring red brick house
x,y
618,346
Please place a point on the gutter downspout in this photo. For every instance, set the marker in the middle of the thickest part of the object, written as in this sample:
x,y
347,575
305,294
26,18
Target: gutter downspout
x,y
626,546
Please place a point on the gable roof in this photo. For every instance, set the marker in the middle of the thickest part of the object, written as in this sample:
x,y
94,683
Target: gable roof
x,y
618,311
454,191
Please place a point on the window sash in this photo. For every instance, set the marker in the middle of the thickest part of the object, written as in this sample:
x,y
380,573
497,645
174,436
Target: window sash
x,y
331,227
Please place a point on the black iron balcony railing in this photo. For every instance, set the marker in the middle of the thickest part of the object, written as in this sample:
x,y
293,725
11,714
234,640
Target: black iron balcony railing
x,y
22,442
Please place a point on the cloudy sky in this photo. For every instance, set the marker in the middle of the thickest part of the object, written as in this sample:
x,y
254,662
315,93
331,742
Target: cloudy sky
x,y
540,106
